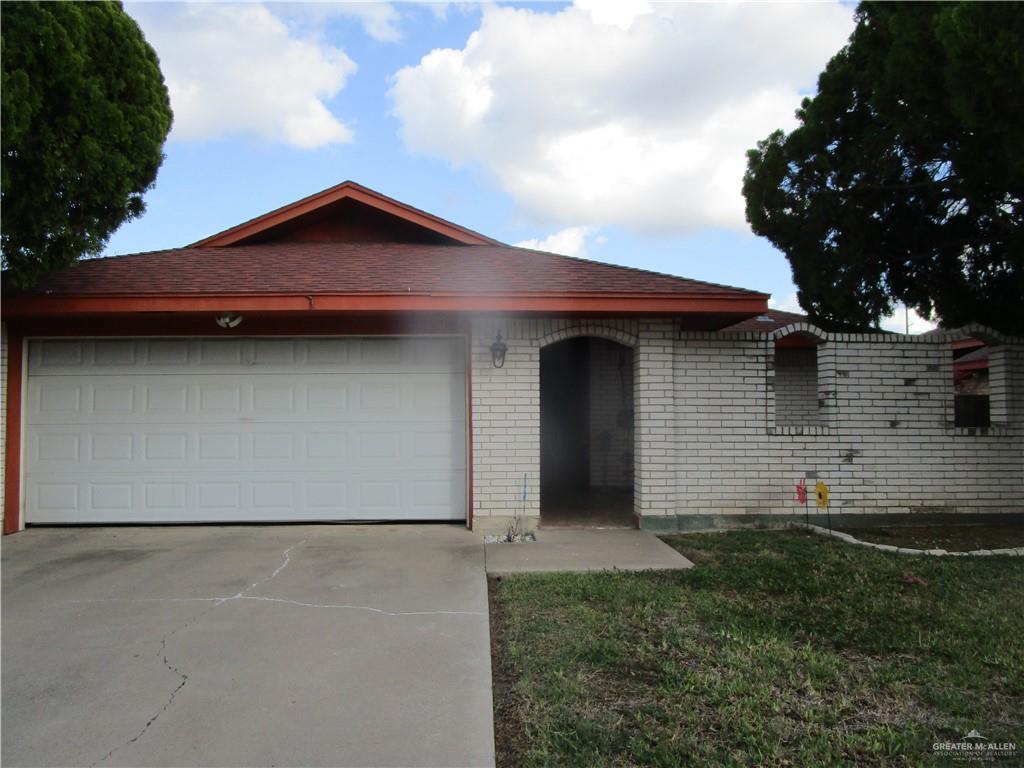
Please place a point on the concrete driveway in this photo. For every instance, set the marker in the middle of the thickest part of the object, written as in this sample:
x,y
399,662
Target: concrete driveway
x,y
246,646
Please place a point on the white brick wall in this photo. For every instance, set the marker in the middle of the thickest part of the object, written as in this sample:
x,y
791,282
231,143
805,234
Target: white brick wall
x,y
796,387
506,411
506,421
654,490
885,441
706,436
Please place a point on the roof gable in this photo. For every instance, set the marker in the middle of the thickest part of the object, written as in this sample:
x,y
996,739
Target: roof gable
x,y
349,249
347,213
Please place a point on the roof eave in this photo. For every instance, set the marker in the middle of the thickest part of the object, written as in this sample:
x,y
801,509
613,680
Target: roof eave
x,y
627,304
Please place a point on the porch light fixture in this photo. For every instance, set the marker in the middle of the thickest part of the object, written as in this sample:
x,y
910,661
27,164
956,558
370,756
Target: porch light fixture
x,y
498,350
229,320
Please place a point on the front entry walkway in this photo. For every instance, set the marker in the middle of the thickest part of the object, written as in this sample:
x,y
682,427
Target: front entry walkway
x,y
246,646
585,550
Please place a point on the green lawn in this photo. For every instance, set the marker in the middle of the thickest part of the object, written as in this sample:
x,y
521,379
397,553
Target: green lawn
x,y
778,649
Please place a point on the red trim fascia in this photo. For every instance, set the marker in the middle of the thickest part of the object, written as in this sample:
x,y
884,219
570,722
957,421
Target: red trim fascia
x,y
347,189
47,306
12,445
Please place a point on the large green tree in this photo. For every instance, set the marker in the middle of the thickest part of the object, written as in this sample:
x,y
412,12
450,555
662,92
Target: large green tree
x,y
84,116
905,178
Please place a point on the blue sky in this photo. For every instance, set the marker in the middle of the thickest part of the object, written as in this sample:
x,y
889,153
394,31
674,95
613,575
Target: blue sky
x,y
609,130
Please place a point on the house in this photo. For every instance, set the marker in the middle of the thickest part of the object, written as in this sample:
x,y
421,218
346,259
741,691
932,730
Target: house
x,y
350,357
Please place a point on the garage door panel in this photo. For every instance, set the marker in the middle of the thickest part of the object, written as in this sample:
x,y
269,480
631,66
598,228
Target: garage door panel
x,y
164,399
167,448
57,448
114,352
316,398
374,494
58,354
182,356
158,353
108,440
56,400
53,449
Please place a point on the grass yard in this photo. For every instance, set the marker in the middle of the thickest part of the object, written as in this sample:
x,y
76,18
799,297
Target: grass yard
x,y
952,538
779,649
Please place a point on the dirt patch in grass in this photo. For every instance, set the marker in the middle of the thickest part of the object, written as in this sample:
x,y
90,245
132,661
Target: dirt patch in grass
x,y
952,538
509,722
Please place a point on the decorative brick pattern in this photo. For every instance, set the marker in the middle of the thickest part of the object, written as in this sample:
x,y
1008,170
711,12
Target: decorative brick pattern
x,y
796,387
598,330
885,442
706,437
506,410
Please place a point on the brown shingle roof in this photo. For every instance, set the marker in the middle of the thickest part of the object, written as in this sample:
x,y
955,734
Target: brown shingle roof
x,y
771,320
344,268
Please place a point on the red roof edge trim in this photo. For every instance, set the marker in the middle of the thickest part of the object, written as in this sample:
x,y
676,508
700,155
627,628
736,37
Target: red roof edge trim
x,y
50,306
354,191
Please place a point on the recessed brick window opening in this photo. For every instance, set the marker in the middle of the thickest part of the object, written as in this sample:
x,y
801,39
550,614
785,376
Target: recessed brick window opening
x,y
796,381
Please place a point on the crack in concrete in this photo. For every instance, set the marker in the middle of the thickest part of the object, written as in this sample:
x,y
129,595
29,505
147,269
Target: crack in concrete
x,y
244,595
163,642
369,608
170,699
266,599
271,577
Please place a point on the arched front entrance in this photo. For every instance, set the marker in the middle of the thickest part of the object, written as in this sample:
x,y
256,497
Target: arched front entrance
x,y
586,433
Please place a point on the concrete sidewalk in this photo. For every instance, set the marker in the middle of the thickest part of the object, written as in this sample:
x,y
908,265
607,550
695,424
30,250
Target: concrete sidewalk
x,y
584,550
246,646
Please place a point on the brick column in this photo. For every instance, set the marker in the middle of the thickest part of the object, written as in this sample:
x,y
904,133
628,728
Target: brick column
x,y
654,421
506,425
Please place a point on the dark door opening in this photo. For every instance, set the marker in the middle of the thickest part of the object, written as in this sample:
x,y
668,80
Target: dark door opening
x,y
586,434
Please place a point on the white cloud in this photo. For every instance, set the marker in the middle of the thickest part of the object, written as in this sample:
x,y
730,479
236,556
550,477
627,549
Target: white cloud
x,y
571,241
788,303
236,70
617,13
628,113
897,323
380,20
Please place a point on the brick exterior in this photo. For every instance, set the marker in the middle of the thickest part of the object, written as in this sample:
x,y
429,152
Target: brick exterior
x,y
708,437
654,489
884,442
709,440
796,387
506,411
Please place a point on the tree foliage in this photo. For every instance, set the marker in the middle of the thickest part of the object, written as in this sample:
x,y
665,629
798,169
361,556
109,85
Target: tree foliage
x,y
84,116
905,179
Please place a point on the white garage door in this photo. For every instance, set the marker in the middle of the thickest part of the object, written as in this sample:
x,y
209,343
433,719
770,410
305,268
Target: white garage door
x,y
207,430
